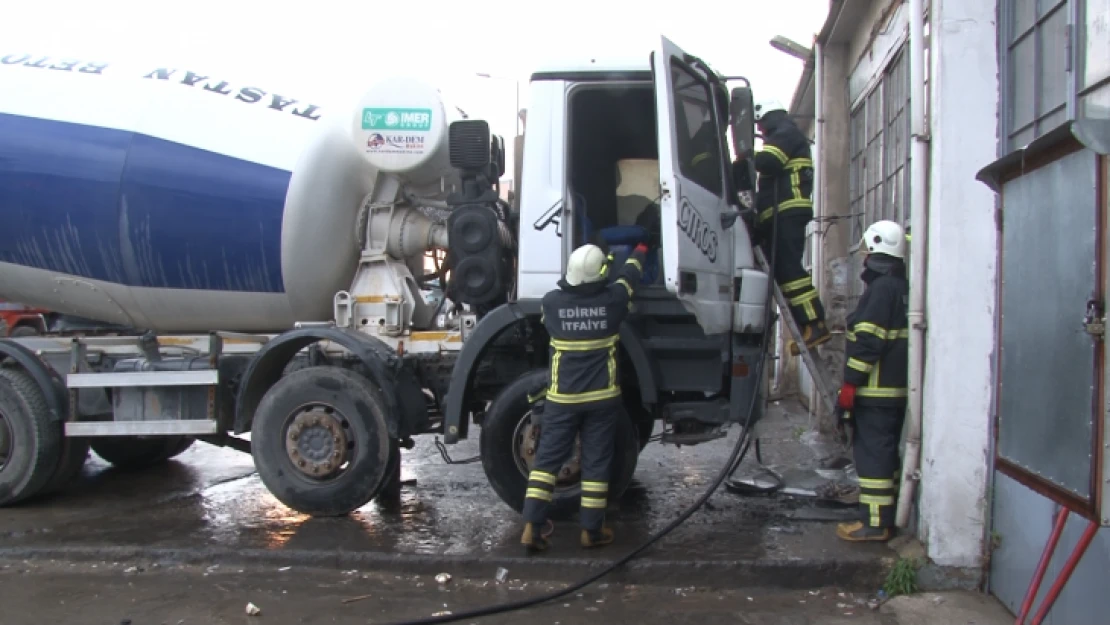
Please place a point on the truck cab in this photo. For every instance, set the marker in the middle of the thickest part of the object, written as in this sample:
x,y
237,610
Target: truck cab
x,y
607,145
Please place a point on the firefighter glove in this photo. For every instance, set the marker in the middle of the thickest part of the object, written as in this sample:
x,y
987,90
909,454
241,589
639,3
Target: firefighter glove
x,y
846,398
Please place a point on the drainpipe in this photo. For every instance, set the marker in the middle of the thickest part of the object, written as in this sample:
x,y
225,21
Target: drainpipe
x,y
817,257
819,161
911,473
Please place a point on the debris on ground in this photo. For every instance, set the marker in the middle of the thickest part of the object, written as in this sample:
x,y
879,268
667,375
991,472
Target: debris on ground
x,y
502,575
354,599
443,578
253,610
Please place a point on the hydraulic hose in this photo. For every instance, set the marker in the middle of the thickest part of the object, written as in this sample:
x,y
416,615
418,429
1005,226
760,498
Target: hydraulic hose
x,y
743,443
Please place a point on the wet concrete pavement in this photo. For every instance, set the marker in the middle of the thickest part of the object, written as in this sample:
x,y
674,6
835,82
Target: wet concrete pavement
x,y
208,506
93,593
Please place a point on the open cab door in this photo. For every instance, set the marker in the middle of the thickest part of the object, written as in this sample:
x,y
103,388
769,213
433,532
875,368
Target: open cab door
x,y
697,250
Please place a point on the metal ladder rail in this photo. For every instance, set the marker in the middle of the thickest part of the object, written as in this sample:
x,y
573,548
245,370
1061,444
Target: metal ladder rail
x,y
821,376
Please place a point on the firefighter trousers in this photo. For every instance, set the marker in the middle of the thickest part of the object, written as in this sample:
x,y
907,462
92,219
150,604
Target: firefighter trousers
x,y
559,427
876,431
791,276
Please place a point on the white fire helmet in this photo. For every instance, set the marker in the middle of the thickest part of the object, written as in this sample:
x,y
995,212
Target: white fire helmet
x,y
586,264
766,106
884,237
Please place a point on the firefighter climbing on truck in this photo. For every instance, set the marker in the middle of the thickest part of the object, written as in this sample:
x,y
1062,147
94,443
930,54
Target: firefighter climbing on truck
x,y
873,395
785,169
583,394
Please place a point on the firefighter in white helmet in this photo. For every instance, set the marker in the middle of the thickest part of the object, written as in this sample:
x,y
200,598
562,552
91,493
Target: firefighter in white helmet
x,y
785,171
873,395
583,394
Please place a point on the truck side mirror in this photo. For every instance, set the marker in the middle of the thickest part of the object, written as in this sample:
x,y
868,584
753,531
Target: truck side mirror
x,y
742,119
741,115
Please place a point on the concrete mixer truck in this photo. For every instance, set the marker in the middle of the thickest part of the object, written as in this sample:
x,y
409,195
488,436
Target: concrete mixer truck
x,y
338,282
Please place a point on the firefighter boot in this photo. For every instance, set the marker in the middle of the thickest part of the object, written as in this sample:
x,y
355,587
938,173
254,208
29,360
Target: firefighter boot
x,y
535,539
857,532
597,538
814,334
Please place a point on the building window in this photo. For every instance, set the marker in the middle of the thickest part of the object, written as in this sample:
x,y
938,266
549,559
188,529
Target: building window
x,y
1052,69
879,166
1094,71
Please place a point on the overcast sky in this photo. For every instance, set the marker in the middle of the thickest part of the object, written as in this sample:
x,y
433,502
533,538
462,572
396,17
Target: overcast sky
x,y
326,50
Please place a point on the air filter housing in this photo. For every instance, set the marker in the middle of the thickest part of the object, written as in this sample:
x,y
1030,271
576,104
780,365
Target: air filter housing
x,y
469,142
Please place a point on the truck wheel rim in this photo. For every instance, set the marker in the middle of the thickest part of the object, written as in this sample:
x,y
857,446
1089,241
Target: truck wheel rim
x,y
318,441
525,444
7,443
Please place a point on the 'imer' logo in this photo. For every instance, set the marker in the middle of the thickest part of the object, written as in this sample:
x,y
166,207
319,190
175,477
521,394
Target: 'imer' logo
x,y
698,230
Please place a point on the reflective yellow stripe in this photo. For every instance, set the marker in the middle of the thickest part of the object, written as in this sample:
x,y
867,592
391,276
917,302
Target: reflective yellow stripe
x,y
794,285
883,393
876,521
553,390
799,163
635,263
624,283
777,153
538,396
874,390
536,493
613,370
875,484
810,311
584,346
878,500
803,298
898,334
582,398
851,335
542,476
699,158
609,392
864,326
783,206
594,502
859,365
595,487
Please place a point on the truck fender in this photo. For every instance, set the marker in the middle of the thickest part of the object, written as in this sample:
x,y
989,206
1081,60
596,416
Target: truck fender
x,y
633,345
52,385
268,365
488,329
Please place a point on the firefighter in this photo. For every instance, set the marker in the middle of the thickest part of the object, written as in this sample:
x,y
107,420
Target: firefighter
x,y
786,174
583,395
873,395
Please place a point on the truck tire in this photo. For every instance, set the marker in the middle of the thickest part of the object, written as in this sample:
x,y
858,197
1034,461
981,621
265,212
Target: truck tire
x,y
641,418
506,465
391,485
320,441
24,331
30,441
132,453
75,452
